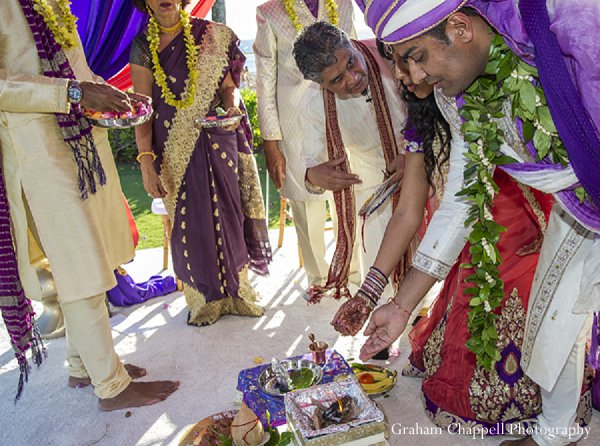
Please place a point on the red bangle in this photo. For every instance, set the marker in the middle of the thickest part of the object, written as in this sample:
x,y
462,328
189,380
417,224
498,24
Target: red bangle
x,y
398,307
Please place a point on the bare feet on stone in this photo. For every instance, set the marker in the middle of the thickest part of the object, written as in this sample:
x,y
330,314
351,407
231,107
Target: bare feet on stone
x,y
134,371
527,441
138,394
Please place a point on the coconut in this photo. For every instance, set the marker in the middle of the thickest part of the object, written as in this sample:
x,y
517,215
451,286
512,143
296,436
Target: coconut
x,y
246,429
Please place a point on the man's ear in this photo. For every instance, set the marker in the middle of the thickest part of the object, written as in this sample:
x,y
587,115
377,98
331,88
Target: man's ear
x,y
459,27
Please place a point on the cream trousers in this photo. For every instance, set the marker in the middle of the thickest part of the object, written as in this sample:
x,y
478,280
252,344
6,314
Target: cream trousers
x,y
91,351
556,424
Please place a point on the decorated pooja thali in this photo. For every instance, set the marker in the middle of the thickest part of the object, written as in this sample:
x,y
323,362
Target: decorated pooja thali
x,y
302,374
115,120
217,121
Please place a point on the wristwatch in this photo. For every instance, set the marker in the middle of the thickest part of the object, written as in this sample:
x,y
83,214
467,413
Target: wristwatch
x,y
74,92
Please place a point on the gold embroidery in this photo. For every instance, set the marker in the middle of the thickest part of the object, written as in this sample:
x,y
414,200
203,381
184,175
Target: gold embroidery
x,y
223,155
219,241
244,304
216,213
184,240
183,224
230,163
492,397
535,205
432,353
181,141
185,253
166,124
215,199
215,146
250,191
182,211
218,226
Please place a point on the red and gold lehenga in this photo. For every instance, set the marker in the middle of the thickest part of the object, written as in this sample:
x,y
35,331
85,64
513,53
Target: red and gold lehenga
x,y
457,392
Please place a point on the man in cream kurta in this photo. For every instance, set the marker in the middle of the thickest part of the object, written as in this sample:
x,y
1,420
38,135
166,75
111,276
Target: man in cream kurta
x,y
358,125
279,87
84,240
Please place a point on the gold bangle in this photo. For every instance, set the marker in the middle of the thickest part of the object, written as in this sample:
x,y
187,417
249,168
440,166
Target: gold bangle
x,y
139,156
392,301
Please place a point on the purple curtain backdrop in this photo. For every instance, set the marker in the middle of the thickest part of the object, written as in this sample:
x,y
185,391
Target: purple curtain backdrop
x,y
107,28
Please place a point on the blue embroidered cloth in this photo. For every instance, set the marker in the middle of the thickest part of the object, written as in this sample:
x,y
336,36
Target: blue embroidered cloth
x,y
259,402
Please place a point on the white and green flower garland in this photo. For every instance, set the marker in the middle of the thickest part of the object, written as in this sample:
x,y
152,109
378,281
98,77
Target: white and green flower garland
x,y
507,76
64,28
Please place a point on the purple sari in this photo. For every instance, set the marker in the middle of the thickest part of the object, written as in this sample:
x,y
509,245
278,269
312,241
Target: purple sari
x,y
213,191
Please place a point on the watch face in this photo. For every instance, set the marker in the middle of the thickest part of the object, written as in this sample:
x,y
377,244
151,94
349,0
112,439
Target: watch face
x,y
75,93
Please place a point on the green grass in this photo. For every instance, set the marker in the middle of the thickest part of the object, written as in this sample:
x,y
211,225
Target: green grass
x,y
150,225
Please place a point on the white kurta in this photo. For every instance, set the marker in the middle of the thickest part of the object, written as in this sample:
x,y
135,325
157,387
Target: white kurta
x,y
83,240
280,85
358,126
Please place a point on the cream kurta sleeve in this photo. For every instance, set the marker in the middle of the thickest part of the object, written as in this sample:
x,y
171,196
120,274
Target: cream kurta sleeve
x,y
312,123
23,93
446,234
265,51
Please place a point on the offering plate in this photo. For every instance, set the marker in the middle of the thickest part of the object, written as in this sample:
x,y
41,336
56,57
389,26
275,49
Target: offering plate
x,y
217,121
267,380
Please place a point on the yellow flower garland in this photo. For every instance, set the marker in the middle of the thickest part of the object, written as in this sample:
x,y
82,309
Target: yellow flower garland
x,y
330,5
65,30
191,52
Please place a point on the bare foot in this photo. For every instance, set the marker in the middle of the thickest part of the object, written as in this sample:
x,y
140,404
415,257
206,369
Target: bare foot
x,y
138,394
134,371
527,441
78,383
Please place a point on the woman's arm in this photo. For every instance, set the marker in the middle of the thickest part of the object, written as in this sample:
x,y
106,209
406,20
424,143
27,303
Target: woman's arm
x,y
408,215
399,232
142,79
229,93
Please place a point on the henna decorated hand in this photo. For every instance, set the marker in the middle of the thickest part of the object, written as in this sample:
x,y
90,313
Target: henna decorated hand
x,y
351,316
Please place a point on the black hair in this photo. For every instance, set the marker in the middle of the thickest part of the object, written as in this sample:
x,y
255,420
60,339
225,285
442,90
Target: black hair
x,y
429,123
314,49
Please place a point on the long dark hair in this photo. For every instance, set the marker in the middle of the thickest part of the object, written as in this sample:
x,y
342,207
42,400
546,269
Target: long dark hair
x,y
428,122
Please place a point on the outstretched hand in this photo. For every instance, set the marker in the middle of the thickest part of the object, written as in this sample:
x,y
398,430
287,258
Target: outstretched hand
x,y
328,176
351,316
386,325
104,98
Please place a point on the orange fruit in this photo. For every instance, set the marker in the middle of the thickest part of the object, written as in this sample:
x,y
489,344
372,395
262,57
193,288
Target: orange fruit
x,y
366,378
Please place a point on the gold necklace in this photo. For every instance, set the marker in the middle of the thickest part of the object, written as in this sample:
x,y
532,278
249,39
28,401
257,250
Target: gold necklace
x,y
170,29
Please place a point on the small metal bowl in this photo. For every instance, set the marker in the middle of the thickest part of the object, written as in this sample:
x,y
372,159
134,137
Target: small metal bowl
x,y
267,382
120,123
221,121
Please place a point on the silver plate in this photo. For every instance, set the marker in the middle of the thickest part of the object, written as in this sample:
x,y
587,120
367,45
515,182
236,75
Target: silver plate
x,y
219,122
120,123
267,381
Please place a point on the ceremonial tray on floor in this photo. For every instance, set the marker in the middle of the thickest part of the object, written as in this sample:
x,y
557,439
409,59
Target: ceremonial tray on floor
x,y
259,402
